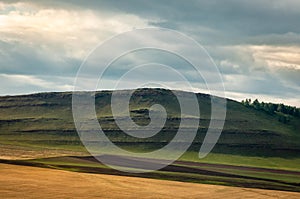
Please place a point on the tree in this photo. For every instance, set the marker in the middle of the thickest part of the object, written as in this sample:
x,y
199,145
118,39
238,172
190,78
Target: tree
x,y
281,108
256,104
247,102
272,108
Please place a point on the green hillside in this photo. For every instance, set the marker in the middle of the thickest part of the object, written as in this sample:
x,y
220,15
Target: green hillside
x,y
250,137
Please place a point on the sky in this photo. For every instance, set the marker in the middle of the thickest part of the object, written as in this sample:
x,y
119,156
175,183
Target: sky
x,y
255,44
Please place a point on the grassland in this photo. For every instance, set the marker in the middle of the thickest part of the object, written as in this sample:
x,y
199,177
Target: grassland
x,y
36,127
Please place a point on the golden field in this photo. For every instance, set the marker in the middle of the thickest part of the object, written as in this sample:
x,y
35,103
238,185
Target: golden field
x,y
31,182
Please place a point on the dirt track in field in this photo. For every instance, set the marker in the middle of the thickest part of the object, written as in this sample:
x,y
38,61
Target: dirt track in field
x,y
31,182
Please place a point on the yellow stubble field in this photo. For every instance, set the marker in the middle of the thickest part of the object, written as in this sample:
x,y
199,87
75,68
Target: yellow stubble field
x,y
31,182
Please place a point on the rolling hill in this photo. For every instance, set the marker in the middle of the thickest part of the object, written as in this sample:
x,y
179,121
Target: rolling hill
x,y
39,126
45,119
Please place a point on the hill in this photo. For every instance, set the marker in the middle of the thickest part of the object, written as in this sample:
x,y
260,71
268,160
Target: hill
x,y
45,120
255,149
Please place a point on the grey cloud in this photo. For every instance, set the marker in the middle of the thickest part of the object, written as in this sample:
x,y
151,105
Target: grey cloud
x,y
289,76
19,58
244,17
226,28
287,39
260,83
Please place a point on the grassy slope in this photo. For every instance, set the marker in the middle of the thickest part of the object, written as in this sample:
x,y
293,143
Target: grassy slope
x,y
45,120
41,125
250,137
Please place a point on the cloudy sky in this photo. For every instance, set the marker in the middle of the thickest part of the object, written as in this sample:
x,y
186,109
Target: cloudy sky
x,y
255,44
